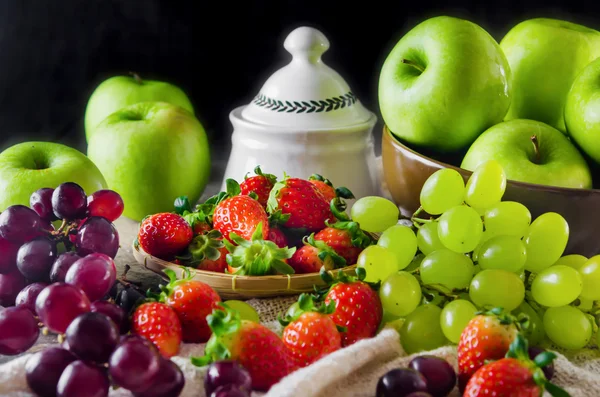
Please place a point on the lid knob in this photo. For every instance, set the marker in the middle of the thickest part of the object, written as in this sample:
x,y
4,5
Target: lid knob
x,y
306,43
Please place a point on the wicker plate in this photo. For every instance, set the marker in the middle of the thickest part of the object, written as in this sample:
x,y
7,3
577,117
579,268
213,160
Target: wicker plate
x,y
239,287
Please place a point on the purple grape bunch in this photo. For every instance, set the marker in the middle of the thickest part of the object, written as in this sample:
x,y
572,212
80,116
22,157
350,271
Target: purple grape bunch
x,y
227,378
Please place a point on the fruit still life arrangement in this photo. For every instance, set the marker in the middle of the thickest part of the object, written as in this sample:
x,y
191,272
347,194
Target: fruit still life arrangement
x,y
471,269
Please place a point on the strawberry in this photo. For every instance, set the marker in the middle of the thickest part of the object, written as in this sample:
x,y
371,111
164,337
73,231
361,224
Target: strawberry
x,y
314,255
310,333
164,235
486,337
258,349
240,215
192,300
257,256
516,375
200,228
346,239
159,323
260,184
299,204
206,252
357,305
326,188
277,236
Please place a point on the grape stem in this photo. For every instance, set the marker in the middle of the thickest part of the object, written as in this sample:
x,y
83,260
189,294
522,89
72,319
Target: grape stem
x,y
418,221
62,226
444,291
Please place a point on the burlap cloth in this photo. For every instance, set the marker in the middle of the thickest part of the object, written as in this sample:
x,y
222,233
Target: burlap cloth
x,y
350,372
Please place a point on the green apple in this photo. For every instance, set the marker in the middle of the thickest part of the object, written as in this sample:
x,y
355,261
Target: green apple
x,y
443,84
582,111
545,56
29,166
531,151
120,91
152,153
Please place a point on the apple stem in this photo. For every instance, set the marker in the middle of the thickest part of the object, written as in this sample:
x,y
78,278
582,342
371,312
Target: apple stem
x,y
413,64
137,77
536,148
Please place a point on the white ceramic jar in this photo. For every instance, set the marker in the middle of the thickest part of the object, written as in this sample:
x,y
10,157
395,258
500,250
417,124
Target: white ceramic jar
x,y
306,120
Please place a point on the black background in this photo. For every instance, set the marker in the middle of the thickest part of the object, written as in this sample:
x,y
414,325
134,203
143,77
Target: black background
x,y
54,53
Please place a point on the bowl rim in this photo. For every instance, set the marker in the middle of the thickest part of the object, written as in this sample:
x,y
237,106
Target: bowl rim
x,y
387,134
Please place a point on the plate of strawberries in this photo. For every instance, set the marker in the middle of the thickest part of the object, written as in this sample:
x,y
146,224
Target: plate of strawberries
x,y
262,237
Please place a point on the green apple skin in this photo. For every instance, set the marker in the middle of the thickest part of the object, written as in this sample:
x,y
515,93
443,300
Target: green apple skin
x,y
152,153
510,143
582,111
463,90
29,166
545,56
120,91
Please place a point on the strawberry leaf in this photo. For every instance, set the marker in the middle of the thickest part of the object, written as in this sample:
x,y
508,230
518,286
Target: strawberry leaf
x,y
233,187
344,192
270,177
278,218
555,391
182,205
338,208
544,358
272,202
282,267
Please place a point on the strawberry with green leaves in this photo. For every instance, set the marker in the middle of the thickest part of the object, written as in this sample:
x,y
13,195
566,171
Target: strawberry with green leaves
x,y
486,337
357,305
298,204
258,349
310,333
257,256
192,300
206,252
346,239
260,184
516,375
326,188
164,235
315,255
159,323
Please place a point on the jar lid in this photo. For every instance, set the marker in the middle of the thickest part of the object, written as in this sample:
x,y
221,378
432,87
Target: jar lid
x,y
306,93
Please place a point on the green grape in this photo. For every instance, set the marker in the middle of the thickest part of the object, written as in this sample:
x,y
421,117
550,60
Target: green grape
x,y
545,241
415,263
575,261
497,288
557,286
400,294
503,252
374,214
567,327
443,190
507,217
387,318
378,262
486,185
455,317
535,330
422,330
402,241
427,238
447,268
460,229
246,311
485,236
590,273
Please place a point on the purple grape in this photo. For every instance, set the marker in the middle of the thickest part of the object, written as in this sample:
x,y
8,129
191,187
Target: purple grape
x,y
97,235
93,337
8,256
548,369
134,365
61,265
400,382
26,298
222,373
419,394
93,274
41,202
35,259
43,370
18,330
229,391
58,304
105,203
82,380
69,201
440,375
10,286
168,382
19,224
114,312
